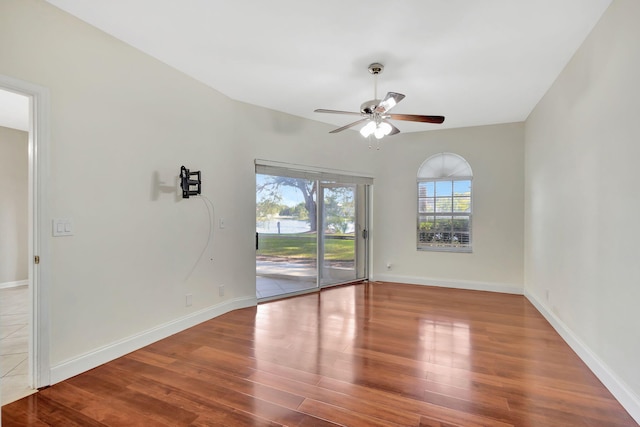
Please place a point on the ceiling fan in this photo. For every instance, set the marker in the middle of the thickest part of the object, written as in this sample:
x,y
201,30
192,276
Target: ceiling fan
x,y
375,113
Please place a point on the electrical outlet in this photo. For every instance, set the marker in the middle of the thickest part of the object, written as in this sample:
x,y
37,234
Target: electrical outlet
x,y
188,300
221,290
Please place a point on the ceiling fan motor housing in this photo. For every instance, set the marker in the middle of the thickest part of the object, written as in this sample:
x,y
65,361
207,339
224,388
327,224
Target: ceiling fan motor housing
x,y
369,107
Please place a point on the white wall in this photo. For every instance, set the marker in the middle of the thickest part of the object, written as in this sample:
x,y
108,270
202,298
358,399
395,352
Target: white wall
x,y
495,154
14,176
582,200
122,124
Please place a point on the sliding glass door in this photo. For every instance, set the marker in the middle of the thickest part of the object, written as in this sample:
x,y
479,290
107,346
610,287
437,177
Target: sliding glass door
x,y
342,233
311,231
286,237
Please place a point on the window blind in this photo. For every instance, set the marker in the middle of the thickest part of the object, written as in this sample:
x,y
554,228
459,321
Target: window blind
x,y
268,167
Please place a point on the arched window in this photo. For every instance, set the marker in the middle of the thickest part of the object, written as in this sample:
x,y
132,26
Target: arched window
x,y
444,204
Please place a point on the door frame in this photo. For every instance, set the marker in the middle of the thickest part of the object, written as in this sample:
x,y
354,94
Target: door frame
x,y
38,223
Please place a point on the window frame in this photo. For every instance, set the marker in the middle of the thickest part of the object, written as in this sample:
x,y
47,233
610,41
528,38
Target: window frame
x,y
450,168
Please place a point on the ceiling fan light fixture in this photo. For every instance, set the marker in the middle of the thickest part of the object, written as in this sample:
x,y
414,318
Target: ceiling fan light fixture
x,y
385,127
382,130
379,130
368,129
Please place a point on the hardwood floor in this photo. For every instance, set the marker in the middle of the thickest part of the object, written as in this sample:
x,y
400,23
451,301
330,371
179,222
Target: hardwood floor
x,y
378,354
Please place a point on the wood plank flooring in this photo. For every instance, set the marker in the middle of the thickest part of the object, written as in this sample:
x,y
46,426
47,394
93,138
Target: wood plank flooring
x,y
378,354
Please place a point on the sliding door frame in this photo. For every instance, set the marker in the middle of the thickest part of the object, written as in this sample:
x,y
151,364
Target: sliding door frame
x,y
362,198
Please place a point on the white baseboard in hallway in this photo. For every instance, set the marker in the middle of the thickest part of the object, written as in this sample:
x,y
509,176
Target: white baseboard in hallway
x,y
7,285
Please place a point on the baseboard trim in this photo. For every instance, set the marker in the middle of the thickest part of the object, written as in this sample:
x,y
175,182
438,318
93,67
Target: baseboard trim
x,y
15,284
627,398
105,354
456,284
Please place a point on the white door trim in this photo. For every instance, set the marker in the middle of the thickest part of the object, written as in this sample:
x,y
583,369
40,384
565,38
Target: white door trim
x,y
39,275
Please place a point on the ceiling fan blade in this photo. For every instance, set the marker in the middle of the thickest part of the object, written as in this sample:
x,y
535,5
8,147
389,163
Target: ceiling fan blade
x,y
350,125
389,102
416,118
394,130
322,110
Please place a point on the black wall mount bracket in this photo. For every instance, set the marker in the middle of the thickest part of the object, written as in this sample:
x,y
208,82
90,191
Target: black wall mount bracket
x,y
190,186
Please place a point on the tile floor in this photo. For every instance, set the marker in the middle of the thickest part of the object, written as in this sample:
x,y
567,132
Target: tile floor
x,y
14,343
267,287
281,277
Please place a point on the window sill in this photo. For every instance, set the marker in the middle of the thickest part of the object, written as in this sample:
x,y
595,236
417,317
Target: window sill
x,y
445,249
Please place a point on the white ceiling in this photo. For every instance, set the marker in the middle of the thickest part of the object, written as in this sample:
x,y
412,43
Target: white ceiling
x,y
475,62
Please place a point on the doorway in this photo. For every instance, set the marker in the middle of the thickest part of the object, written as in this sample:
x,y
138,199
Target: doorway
x,y
311,230
25,308
14,229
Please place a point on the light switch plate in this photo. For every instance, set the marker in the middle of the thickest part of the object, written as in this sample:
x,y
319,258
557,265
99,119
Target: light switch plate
x,y
62,227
